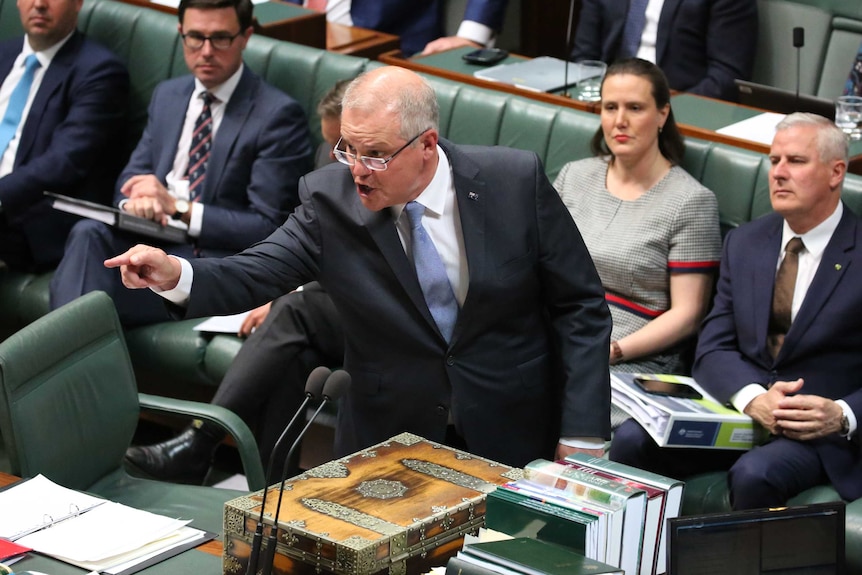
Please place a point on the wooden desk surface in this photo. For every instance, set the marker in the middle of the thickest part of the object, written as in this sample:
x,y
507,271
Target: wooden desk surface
x,y
213,547
697,116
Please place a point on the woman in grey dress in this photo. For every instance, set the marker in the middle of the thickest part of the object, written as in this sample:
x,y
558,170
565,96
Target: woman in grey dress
x,y
651,228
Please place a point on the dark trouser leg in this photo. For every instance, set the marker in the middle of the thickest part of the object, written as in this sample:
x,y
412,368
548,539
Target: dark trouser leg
x,y
266,382
769,475
633,446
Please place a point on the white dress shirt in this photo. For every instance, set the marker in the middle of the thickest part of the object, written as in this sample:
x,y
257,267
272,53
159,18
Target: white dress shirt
x,y
45,57
177,180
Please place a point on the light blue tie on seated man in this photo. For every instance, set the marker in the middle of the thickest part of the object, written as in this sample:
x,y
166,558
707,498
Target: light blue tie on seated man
x,y
17,102
63,106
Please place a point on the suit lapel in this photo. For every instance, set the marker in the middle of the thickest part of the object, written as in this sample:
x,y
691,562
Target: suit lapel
x,y
239,107
55,76
763,282
836,260
470,197
668,12
171,126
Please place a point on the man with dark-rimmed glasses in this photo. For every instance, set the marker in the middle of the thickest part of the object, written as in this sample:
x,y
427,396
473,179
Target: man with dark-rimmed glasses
x,y
221,156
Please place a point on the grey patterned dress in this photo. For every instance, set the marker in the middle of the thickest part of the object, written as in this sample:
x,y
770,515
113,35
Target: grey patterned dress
x,y
636,244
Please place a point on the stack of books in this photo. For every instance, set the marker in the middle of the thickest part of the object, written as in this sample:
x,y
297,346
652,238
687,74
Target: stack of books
x,y
524,556
607,511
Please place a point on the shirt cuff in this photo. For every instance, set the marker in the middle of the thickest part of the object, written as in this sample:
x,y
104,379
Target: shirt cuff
x,y
583,442
851,417
180,294
476,32
746,395
196,219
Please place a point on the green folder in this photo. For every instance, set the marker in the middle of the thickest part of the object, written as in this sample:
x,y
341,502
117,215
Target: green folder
x,y
534,557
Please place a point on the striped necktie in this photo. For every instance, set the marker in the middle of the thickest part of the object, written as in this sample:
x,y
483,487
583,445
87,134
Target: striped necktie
x,y
17,102
199,152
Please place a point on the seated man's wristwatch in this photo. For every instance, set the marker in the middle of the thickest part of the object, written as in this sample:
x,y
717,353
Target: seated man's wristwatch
x,y
182,207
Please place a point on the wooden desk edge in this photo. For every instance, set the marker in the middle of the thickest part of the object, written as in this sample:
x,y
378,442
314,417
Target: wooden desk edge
x,y
213,547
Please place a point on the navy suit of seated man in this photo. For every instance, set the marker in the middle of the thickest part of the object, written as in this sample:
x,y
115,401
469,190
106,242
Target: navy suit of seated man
x,y
62,136
222,155
784,351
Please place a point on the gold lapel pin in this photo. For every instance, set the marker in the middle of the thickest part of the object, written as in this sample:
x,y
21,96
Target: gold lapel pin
x,y
837,267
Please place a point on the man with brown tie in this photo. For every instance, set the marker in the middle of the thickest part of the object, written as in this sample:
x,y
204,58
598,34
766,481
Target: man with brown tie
x,y
782,342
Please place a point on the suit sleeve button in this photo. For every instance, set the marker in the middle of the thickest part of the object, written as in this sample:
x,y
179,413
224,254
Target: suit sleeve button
x,y
450,360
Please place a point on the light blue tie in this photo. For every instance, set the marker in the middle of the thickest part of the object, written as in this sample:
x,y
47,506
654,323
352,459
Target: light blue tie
x,y
17,101
432,273
634,28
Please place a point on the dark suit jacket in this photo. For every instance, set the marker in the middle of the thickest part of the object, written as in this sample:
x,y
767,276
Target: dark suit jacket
x,y
534,296
823,344
68,142
418,23
702,46
260,151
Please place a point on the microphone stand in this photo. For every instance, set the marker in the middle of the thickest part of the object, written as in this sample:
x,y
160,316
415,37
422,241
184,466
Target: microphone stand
x,y
312,388
333,389
568,94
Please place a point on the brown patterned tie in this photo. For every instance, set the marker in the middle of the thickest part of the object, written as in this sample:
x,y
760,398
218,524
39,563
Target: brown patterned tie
x,y
782,296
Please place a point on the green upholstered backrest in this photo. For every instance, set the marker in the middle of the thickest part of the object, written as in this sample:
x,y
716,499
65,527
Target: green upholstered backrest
x,y
10,21
68,400
775,59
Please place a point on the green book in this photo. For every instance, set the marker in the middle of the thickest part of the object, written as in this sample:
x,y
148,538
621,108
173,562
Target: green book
x,y
533,557
520,516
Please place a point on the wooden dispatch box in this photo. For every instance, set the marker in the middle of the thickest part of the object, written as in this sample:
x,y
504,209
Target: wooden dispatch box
x,y
396,508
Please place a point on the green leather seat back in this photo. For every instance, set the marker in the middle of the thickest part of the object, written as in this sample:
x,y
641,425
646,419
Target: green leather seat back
x,y
732,174
775,60
68,400
569,139
10,20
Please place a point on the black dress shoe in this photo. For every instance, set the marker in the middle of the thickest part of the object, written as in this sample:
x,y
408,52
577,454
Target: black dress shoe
x,y
184,459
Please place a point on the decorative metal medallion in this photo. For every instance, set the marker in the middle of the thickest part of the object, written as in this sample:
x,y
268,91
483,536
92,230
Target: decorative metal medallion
x,y
382,489
352,516
406,439
331,470
369,454
449,475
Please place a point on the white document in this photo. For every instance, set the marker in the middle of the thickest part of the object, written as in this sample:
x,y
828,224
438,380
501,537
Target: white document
x,y
38,502
760,128
223,323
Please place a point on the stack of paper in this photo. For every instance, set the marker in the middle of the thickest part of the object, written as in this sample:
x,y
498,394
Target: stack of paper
x,y
90,532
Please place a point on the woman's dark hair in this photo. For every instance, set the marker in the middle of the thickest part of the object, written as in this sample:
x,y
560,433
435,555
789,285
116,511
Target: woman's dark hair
x,y
670,141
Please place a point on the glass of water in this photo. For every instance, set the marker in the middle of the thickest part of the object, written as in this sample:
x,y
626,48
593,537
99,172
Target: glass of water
x,y
848,116
590,88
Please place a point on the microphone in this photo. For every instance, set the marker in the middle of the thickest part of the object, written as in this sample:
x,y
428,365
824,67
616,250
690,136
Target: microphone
x,y
568,94
798,43
335,386
314,386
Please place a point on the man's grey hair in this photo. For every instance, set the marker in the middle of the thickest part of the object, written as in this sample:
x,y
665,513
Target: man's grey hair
x,y
832,143
415,104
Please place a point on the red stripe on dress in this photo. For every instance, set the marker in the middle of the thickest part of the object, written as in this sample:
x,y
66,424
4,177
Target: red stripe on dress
x,y
631,306
692,266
